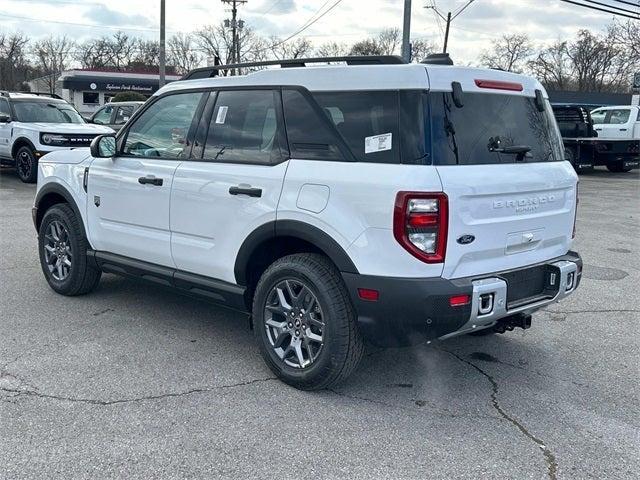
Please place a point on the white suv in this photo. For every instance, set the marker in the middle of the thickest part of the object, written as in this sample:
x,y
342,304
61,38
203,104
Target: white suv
x,y
31,125
391,202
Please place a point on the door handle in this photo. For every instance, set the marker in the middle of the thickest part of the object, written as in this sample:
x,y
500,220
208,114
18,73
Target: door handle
x,y
150,180
623,129
248,190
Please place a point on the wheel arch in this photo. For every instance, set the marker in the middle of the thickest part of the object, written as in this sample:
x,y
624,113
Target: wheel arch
x,y
19,143
275,239
52,194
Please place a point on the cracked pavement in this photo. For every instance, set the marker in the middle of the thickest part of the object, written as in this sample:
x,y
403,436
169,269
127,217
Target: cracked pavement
x,y
134,381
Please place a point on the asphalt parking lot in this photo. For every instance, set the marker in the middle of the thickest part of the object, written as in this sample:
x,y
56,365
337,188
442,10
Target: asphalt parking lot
x,y
136,381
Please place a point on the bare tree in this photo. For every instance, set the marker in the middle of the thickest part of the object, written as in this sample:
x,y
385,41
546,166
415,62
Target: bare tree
x,y
14,65
420,49
52,55
368,46
552,66
389,41
509,53
182,53
332,49
297,48
146,55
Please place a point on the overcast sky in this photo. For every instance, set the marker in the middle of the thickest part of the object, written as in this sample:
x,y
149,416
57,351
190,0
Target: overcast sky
x,y
543,20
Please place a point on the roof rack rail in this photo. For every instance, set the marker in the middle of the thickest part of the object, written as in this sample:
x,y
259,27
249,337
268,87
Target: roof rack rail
x,y
208,72
5,93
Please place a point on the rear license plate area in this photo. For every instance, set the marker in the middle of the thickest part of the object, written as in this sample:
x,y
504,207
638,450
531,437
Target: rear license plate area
x,y
529,285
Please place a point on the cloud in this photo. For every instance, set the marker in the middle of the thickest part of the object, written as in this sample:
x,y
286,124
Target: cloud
x,y
101,14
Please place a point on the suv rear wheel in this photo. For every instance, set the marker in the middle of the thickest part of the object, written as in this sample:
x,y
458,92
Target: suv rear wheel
x,y
26,165
63,253
304,322
618,167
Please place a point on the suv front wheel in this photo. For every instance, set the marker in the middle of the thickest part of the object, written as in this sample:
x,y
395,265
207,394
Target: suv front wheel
x,y
63,252
26,165
304,322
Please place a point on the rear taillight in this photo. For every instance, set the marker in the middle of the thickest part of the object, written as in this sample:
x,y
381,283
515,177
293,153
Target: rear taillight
x,y
420,223
575,215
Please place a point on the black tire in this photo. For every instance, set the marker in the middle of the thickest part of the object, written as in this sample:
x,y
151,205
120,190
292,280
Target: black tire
x,y
618,167
26,165
81,277
342,345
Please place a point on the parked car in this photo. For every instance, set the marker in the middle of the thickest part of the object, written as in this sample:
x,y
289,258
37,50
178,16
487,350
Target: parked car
x,y
617,122
32,125
587,145
115,114
333,204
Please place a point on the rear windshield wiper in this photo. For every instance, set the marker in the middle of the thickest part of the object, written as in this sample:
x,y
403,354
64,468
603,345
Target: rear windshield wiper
x,y
512,149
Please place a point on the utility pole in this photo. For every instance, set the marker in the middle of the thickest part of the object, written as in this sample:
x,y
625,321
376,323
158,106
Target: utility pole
x,y
163,59
406,32
448,19
236,26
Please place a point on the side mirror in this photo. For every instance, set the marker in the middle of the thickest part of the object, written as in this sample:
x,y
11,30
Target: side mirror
x,y
103,146
4,118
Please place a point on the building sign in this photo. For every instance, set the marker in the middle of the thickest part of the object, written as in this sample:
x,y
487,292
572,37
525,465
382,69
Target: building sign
x,y
106,84
123,87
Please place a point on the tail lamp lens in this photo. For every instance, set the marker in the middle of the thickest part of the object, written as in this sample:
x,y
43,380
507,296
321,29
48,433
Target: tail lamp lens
x,y
420,224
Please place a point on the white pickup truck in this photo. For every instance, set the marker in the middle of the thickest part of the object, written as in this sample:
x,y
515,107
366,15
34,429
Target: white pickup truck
x,y
617,122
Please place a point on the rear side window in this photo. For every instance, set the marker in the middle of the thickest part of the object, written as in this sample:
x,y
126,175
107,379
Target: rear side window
x,y
308,133
245,127
492,128
367,121
4,107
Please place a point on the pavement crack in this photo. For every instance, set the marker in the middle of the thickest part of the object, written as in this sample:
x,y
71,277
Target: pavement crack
x,y
549,457
92,401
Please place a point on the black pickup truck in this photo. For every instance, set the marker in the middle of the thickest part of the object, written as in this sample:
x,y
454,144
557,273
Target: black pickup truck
x,y
585,150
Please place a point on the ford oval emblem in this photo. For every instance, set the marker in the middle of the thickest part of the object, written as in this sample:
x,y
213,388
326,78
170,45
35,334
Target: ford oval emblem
x,y
465,239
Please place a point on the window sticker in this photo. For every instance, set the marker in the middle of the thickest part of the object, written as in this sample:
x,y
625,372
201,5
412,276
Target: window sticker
x,y
222,114
377,143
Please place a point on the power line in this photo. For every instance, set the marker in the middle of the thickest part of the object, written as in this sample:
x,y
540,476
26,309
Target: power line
x,y
87,25
613,6
637,4
307,25
600,9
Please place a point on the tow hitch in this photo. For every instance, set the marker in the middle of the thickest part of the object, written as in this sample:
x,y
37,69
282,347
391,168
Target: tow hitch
x,y
520,320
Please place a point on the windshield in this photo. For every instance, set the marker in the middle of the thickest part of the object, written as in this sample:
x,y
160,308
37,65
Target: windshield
x,y
54,112
492,128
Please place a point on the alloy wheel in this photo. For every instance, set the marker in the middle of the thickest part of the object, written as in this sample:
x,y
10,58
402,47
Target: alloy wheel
x,y
57,251
294,323
25,164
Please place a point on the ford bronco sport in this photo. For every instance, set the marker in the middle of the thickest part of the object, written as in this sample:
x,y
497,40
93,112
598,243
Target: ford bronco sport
x,y
397,203
33,124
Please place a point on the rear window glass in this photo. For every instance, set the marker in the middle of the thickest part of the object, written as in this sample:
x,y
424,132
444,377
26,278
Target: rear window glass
x,y
492,128
367,121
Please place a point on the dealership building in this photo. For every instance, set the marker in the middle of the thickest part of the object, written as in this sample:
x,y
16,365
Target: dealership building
x,y
89,89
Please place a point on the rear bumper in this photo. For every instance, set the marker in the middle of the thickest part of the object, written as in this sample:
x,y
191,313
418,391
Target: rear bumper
x,y
414,310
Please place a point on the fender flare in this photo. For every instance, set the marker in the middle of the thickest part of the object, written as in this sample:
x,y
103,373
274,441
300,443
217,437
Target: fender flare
x,y
292,229
64,193
21,140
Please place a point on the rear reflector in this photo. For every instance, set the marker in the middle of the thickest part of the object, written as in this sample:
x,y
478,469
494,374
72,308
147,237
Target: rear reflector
x,y
499,85
459,300
368,294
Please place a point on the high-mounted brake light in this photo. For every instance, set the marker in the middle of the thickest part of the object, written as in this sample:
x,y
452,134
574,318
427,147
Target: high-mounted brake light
x,y
420,222
499,85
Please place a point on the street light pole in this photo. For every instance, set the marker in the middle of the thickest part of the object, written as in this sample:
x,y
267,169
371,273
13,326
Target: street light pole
x,y
406,32
162,47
